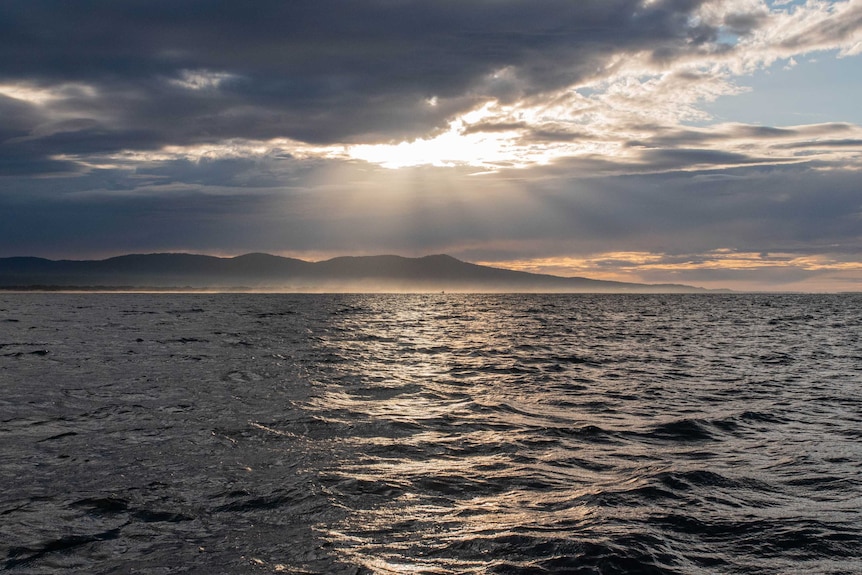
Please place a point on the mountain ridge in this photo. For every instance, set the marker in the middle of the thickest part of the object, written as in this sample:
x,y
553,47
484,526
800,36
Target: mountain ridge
x,y
267,272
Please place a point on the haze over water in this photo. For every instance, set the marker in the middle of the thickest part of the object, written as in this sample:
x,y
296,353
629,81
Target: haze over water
x,y
588,434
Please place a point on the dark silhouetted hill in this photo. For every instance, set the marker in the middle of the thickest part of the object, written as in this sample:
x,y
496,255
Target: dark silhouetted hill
x,y
274,273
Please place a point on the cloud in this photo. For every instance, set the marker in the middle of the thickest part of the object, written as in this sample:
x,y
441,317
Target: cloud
x,y
521,129
340,206
146,75
695,226
156,73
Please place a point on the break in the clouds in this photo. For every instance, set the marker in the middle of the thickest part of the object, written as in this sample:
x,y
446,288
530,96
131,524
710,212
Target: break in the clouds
x,y
594,138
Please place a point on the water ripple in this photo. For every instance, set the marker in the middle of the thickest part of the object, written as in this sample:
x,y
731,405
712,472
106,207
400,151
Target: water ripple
x,y
436,434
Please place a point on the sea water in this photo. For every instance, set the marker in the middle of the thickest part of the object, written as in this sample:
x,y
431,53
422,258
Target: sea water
x,y
441,433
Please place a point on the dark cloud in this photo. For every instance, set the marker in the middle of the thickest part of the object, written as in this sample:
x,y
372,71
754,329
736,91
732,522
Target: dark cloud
x,y
119,223
155,72
743,23
846,143
551,211
673,148
18,118
751,209
20,162
557,135
676,159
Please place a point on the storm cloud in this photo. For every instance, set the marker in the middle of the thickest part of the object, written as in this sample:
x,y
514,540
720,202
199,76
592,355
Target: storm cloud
x,y
149,73
524,129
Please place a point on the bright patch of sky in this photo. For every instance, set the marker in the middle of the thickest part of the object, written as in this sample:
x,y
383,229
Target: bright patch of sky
x,y
803,90
201,79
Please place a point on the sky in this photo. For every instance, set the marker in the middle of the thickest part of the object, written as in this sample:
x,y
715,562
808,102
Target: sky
x,y
715,143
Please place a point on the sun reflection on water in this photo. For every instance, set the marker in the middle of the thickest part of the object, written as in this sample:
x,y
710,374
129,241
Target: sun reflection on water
x,y
444,446
510,434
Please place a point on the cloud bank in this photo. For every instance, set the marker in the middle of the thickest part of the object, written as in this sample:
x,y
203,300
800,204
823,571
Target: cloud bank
x,y
515,132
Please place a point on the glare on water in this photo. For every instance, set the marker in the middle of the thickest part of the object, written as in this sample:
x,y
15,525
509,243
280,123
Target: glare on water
x,y
431,433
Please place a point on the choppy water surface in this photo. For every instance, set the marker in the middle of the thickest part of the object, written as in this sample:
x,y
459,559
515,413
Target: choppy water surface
x,y
430,434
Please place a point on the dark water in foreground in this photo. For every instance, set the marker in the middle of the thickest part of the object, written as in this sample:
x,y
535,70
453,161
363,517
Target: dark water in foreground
x,y
430,434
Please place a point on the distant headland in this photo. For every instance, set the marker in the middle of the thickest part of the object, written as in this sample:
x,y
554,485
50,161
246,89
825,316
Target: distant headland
x,y
264,272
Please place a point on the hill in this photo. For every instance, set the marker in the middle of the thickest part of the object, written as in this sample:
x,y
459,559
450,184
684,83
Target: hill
x,y
273,273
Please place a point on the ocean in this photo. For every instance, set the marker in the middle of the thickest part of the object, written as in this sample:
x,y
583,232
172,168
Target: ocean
x,y
437,433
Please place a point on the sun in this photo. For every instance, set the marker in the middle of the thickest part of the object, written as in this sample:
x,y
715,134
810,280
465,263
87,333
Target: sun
x,y
449,149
